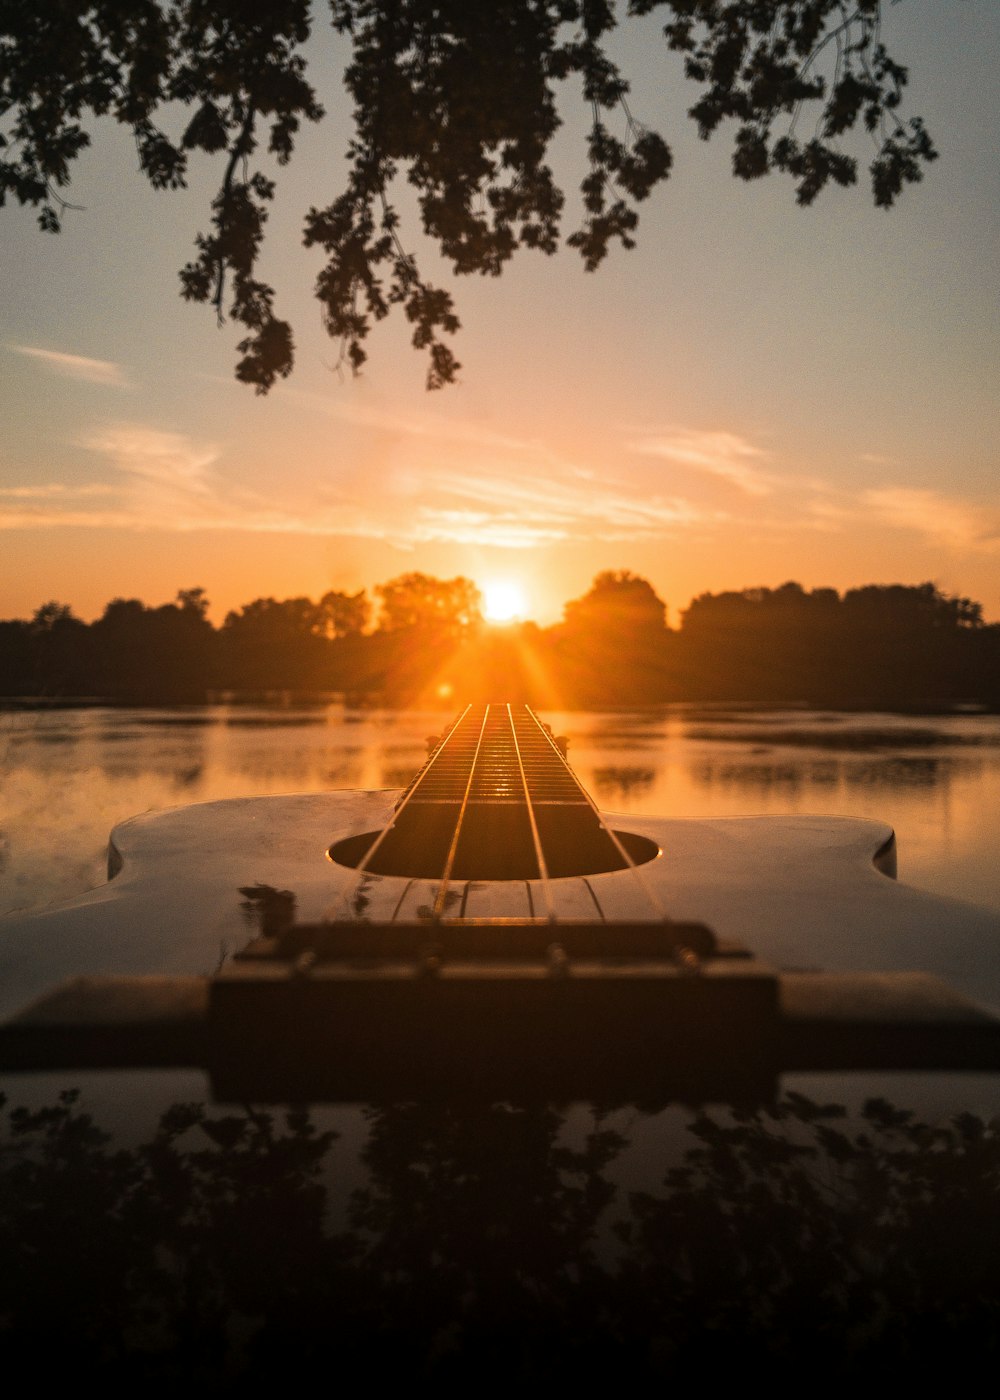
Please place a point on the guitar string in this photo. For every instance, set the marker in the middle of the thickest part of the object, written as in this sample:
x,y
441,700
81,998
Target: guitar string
x,y
361,869
399,902
597,902
543,869
630,864
449,863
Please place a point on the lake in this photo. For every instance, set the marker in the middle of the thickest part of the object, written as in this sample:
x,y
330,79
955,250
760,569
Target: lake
x,y
71,775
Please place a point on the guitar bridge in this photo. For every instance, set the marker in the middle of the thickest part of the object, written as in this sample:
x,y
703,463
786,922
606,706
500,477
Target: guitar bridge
x,y
500,1007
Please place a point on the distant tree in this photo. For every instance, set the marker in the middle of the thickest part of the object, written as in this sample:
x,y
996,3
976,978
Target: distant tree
x,y
56,653
269,617
914,644
150,655
900,645
415,600
193,600
343,614
611,646
273,645
51,616
460,97
618,603
900,606
420,650
15,659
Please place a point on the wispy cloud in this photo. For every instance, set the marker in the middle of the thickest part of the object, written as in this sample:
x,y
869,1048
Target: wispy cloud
x,y
104,372
433,425
30,517
45,504
420,490
169,481
173,460
493,506
828,515
724,455
945,519
520,511
55,491
161,480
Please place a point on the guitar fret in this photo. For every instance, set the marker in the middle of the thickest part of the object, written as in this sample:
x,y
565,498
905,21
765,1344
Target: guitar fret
x,y
496,801
497,776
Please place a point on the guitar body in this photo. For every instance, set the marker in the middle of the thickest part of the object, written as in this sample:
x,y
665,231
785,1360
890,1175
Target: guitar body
x,y
797,892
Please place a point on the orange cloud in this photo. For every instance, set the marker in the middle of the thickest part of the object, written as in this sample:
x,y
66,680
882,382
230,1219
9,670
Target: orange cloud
x,y
720,454
947,520
104,372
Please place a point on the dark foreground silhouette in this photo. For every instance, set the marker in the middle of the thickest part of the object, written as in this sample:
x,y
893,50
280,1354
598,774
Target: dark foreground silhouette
x,y
489,1246
458,100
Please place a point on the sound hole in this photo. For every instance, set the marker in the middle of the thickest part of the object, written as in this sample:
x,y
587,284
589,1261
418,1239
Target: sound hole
x,y
497,845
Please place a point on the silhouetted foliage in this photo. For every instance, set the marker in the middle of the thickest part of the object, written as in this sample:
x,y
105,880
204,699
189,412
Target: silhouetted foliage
x,y
56,649
272,645
343,614
612,644
423,622
618,604
489,1245
147,655
893,646
430,604
294,644
878,645
461,99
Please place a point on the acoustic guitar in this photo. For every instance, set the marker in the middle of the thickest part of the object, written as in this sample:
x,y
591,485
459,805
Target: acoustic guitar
x,y
490,930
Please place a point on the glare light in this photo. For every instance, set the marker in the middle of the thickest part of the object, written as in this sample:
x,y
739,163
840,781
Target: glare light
x,y
504,601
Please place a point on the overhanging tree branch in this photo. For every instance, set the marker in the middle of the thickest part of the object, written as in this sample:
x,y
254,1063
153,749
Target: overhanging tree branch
x,y
458,99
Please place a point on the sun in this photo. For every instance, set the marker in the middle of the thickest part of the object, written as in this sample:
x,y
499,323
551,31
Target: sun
x,y
503,601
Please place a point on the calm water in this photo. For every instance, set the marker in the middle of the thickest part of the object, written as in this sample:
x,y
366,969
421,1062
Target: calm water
x,y
69,776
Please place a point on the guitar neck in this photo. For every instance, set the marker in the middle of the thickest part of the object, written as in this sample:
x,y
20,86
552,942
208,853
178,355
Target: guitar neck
x,y
496,800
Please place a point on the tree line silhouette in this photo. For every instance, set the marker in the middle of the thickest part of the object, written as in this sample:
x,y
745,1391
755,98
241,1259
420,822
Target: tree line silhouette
x,y
878,646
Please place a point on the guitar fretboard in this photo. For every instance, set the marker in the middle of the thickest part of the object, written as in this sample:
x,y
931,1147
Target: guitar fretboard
x,y
496,800
497,754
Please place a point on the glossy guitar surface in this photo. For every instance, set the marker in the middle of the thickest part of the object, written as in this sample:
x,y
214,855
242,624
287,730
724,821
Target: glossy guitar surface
x,y
796,891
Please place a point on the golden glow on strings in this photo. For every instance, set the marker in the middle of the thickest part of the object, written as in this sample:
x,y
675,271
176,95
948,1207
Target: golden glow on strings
x,y
504,601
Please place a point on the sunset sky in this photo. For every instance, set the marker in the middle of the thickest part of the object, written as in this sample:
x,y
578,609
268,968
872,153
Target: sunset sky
x,y
756,393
